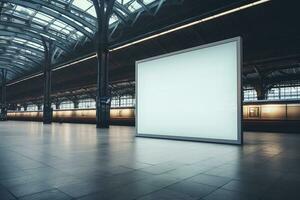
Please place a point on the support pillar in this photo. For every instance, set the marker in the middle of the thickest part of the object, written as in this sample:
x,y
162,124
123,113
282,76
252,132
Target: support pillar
x,y
261,91
57,106
3,105
25,107
76,103
103,10
261,87
103,98
39,106
47,110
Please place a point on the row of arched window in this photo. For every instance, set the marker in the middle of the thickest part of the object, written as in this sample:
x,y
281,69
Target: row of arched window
x,y
278,92
121,101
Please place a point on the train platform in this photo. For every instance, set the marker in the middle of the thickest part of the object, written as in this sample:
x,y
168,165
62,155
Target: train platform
x,y
76,161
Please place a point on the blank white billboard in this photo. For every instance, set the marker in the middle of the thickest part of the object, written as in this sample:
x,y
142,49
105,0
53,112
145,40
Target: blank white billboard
x,y
194,94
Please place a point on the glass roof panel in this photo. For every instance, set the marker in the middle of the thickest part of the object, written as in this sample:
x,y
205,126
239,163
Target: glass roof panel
x,y
39,21
19,40
124,1
24,10
60,23
43,16
65,31
148,1
92,11
134,6
113,19
67,22
57,28
82,4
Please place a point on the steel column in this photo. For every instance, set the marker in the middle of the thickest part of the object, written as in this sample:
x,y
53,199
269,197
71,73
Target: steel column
x,y
3,106
76,103
104,10
57,106
103,97
47,110
261,90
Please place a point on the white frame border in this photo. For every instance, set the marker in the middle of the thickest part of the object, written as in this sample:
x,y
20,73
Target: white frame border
x,y
239,94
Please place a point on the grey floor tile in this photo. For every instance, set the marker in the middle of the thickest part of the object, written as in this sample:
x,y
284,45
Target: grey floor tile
x,y
221,194
283,189
31,188
162,180
246,187
80,189
95,196
5,194
80,161
187,171
47,195
132,191
12,174
192,189
12,182
162,167
167,195
217,181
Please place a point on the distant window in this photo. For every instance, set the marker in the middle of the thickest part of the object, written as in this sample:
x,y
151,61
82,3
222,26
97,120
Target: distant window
x,y
123,101
250,95
284,91
87,103
53,106
115,102
290,92
32,108
66,105
273,94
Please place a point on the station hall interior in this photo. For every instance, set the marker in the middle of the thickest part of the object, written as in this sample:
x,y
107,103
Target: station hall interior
x,y
149,100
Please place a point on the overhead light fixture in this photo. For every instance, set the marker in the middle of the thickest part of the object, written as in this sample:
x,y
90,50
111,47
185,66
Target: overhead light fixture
x,y
192,24
75,62
154,36
55,69
24,79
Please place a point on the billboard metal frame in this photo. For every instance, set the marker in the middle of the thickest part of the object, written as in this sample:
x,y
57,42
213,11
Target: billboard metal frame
x,y
239,140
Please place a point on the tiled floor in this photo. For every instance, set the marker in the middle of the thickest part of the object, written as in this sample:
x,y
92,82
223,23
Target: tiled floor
x,y
73,161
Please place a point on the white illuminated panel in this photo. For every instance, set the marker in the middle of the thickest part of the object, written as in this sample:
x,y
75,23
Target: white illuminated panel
x,y
192,94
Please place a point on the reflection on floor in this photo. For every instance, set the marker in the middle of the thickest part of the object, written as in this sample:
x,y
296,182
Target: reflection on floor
x,y
72,161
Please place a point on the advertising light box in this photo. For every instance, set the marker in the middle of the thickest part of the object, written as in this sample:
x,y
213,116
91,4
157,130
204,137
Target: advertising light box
x,y
194,94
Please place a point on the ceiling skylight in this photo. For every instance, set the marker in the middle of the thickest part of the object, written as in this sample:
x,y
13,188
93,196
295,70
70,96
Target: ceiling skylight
x,y
68,23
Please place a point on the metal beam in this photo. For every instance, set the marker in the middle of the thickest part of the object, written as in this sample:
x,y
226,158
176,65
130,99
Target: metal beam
x,y
37,6
69,7
14,57
144,6
124,9
159,6
22,47
64,12
3,106
9,69
16,66
29,28
30,36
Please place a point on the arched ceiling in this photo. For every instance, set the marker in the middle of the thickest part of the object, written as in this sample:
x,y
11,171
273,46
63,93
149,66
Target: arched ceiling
x,y
69,23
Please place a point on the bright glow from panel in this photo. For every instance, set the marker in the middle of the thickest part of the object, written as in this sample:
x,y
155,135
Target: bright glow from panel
x,y
192,94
